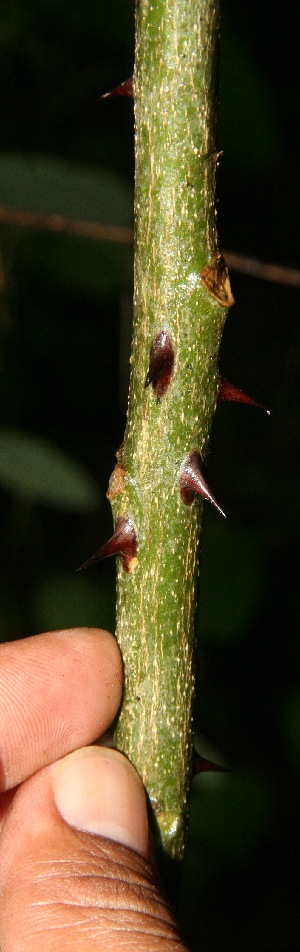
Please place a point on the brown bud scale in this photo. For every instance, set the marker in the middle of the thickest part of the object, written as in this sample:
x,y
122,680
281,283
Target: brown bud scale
x,y
116,483
215,278
161,364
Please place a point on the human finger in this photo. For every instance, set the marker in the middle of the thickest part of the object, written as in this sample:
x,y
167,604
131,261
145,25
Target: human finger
x,y
58,691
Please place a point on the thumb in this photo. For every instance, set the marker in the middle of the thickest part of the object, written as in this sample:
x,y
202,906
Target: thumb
x,y
97,790
74,873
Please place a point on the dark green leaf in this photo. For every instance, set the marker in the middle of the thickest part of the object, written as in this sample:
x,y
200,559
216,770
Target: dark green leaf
x,y
33,468
47,186
91,268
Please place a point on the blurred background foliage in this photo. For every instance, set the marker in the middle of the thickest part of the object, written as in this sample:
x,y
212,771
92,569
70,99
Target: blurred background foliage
x,y
65,326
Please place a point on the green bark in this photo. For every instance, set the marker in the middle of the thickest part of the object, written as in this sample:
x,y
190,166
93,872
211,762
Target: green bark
x,y
175,241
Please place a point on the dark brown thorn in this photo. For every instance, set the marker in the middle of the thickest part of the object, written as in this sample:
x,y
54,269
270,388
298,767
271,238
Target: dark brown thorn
x,y
123,543
191,481
161,364
202,765
124,89
227,391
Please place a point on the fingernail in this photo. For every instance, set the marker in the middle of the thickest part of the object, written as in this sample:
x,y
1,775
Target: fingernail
x,y
97,790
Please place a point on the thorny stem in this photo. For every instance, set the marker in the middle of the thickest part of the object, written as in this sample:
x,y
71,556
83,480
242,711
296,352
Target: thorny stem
x,y
175,241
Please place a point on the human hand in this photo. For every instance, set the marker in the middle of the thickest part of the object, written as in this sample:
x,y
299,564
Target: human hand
x,y
74,864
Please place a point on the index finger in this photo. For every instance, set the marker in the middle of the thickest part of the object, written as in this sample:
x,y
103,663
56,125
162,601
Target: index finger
x,y
58,691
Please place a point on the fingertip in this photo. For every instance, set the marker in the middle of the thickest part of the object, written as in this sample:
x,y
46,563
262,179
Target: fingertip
x,y
85,636
86,633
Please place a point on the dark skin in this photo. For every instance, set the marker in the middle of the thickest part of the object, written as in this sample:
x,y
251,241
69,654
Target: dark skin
x,y
63,888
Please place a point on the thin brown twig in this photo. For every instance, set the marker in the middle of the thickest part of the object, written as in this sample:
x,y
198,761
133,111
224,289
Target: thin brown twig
x,y
266,271
57,223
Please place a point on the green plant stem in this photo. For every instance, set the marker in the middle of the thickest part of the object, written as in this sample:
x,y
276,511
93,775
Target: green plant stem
x,y
175,238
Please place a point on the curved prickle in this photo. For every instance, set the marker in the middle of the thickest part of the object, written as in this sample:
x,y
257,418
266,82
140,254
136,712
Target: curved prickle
x,y
227,391
123,543
124,89
191,481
